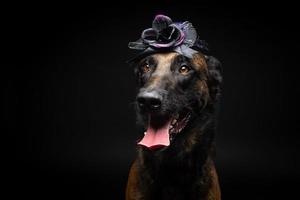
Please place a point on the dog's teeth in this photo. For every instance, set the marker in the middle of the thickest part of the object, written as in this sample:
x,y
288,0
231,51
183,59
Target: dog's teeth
x,y
188,117
174,121
145,133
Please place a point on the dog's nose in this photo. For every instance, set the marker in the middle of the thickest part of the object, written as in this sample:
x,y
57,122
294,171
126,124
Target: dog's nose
x,y
149,100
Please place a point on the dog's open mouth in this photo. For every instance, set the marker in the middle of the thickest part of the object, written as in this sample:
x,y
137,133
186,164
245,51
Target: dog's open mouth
x,y
162,130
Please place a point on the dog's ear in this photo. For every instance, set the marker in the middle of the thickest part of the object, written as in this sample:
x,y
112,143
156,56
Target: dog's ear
x,y
214,76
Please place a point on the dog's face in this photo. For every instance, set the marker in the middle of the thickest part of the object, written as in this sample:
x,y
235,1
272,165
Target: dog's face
x,y
173,89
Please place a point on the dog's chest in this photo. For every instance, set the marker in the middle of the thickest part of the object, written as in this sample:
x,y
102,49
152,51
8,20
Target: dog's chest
x,y
169,180
171,192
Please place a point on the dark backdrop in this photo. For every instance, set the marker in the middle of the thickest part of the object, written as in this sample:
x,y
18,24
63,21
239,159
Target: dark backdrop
x,y
68,96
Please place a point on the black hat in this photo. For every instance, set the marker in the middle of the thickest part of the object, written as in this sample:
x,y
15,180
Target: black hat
x,y
166,35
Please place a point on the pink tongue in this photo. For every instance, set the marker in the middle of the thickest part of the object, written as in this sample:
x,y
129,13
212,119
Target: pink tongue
x,y
156,137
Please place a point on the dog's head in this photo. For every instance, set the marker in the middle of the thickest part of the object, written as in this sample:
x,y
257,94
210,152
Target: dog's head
x,y
172,91
176,81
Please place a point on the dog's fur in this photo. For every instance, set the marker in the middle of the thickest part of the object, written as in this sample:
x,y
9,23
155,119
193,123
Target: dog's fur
x,y
185,169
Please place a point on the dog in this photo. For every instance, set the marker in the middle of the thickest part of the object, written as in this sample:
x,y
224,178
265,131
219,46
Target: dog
x,y
176,107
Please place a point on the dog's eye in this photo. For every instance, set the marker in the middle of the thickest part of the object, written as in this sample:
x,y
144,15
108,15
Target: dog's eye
x,y
146,68
184,69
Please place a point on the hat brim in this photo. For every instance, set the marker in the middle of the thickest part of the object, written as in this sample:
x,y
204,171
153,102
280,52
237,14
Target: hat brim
x,y
182,50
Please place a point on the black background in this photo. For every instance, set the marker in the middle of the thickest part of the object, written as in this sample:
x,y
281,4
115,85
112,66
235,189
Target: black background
x,y
68,96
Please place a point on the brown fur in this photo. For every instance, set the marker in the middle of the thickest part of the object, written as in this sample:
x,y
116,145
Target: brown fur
x,y
213,193
209,180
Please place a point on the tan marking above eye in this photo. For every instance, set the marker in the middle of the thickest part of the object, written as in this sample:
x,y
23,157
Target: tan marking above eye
x,y
184,69
146,68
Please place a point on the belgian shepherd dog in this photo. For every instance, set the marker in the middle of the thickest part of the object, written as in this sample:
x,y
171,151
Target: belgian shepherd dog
x,y
176,102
